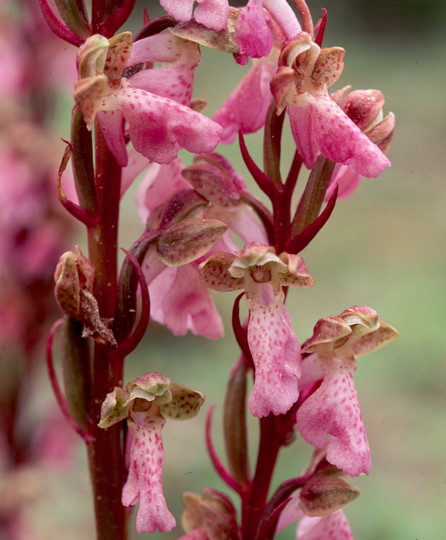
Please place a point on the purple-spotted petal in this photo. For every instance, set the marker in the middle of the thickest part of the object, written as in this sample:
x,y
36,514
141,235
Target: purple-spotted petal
x,y
174,80
159,127
319,125
275,351
252,33
181,302
145,454
246,107
332,415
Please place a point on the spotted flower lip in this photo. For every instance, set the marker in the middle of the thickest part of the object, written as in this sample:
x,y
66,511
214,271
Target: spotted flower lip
x,y
330,417
146,404
274,346
154,102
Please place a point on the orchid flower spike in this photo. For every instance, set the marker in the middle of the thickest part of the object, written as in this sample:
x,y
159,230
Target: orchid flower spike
x,y
146,404
273,345
114,88
330,417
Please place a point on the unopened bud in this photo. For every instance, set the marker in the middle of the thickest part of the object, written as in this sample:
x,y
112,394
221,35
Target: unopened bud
x,y
323,495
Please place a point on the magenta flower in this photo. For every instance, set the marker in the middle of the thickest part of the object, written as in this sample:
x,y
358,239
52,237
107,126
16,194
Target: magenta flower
x,y
146,403
272,342
330,417
153,102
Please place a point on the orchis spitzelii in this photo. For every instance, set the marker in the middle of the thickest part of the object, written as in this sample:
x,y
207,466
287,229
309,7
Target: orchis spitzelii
x,y
203,230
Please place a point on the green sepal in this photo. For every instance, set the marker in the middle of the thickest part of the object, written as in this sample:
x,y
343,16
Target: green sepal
x,y
115,408
76,371
323,495
185,403
188,240
234,424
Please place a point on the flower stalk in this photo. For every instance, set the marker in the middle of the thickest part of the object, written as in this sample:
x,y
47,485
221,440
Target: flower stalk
x,y
204,230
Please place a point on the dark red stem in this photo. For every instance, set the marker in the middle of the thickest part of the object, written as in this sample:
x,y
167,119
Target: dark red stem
x,y
105,452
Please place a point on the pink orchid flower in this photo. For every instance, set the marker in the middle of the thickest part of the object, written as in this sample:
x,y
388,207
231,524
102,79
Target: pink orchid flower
x,y
318,124
146,404
272,342
179,299
299,79
330,417
113,88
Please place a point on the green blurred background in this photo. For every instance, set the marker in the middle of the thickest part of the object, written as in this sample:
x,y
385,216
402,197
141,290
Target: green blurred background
x,y
384,247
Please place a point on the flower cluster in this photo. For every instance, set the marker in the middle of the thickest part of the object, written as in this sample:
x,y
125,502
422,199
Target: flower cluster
x,y
203,229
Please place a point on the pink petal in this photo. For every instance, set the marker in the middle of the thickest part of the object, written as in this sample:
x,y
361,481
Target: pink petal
x,y
334,526
213,14
181,302
276,354
242,220
312,370
346,179
144,482
160,127
111,124
332,415
284,16
246,107
252,34
319,125
290,513
174,80
180,9
158,185
136,164
210,13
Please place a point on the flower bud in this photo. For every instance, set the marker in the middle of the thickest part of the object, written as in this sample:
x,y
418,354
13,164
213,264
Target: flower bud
x,y
211,513
188,240
323,495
